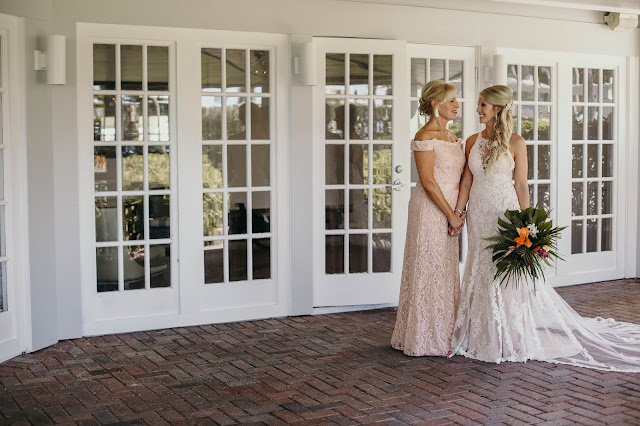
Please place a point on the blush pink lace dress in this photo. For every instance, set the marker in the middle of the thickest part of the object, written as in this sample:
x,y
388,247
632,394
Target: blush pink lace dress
x,y
430,285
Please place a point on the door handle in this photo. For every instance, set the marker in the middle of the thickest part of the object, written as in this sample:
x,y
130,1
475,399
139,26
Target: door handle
x,y
398,185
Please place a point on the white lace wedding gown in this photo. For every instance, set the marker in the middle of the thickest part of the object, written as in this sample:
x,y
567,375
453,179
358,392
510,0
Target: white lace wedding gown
x,y
498,323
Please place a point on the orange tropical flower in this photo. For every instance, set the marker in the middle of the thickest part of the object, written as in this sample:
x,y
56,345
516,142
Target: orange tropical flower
x,y
523,239
511,249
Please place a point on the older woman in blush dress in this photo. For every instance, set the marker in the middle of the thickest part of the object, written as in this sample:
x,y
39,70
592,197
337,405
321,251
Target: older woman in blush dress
x,y
430,284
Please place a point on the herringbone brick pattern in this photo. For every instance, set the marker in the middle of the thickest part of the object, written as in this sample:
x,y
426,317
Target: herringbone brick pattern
x,y
325,369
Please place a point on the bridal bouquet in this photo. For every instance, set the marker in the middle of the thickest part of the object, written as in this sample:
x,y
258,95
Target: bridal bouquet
x,y
524,245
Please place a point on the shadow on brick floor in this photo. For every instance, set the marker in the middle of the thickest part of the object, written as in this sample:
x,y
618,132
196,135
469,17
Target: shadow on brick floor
x,y
325,369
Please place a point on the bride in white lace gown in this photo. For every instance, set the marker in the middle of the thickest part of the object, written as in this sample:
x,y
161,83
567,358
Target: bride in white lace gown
x,y
494,322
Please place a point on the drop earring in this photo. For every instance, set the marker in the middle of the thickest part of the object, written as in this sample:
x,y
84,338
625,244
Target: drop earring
x,y
437,113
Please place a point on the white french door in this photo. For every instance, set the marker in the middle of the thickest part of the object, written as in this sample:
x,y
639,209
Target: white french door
x,y
189,150
367,90
13,236
571,112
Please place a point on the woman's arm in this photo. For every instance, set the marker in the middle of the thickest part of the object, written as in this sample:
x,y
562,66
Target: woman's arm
x,y
520,174
467,177
424,165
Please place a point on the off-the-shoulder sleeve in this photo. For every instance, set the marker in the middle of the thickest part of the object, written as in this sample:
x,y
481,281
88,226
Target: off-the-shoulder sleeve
x,y
422,145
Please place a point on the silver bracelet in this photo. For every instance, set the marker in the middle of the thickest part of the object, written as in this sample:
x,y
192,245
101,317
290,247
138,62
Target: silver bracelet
x,y
460,212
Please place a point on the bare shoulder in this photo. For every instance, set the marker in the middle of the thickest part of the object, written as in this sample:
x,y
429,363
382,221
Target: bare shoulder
x,y
425,135
471,140
517,142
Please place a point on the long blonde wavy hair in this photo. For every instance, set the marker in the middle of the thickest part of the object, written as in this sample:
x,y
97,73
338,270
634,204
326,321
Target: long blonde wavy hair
x,y
499,96
435,90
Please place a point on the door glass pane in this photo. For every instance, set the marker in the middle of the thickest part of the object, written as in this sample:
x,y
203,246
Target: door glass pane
x,y
334,254
358,208
436,69
211,118
213,261
334,164
358,253
594,85
592,198
131,67
544,196
212,166
104,67
592,235
527,82
260,119
259,76
382,208
418,76
381,252
359,119
160,265
237,260
107,269
159,167
211,69
260,165
159,217
334,209
607,160
608,124
133,265
236,67
592,160
577,123
261,212
607,88
158,68
577,199
607,234
132,118
544,84
104,118
576,161
544,123
158,112
236,166
334,119
358,74
133,217
455,76
383,116
576,236
592,123
132,168
236,118
530,162
262,259
527,121
105,173
456,126
607,194
382,73
512,80
212,211
106,220
358,164
544,161
382,164
335,79
577,94
237,204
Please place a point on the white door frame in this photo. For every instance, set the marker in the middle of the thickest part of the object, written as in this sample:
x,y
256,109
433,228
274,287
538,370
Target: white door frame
x,y
188,252
15,323
607,265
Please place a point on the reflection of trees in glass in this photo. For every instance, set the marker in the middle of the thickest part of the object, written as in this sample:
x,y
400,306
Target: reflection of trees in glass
x,y
133,212
456,127
382,197
212,214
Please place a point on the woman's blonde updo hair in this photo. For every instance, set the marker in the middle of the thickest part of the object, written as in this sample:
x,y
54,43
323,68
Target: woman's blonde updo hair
x,y
437,91
499,96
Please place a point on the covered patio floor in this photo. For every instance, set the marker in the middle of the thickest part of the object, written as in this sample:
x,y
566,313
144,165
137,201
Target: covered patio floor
x,y
325,369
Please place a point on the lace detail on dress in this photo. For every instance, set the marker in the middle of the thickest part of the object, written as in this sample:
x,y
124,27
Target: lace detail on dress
x,y
498,323
430,284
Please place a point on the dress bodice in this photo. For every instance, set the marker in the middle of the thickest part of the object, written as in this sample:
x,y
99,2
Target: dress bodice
x,y
448,159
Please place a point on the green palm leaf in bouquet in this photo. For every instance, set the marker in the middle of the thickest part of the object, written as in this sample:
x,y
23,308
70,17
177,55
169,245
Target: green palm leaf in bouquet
x,y
525,244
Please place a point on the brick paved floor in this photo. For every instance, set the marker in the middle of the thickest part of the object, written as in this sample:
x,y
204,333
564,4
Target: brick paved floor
x,y
326,369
